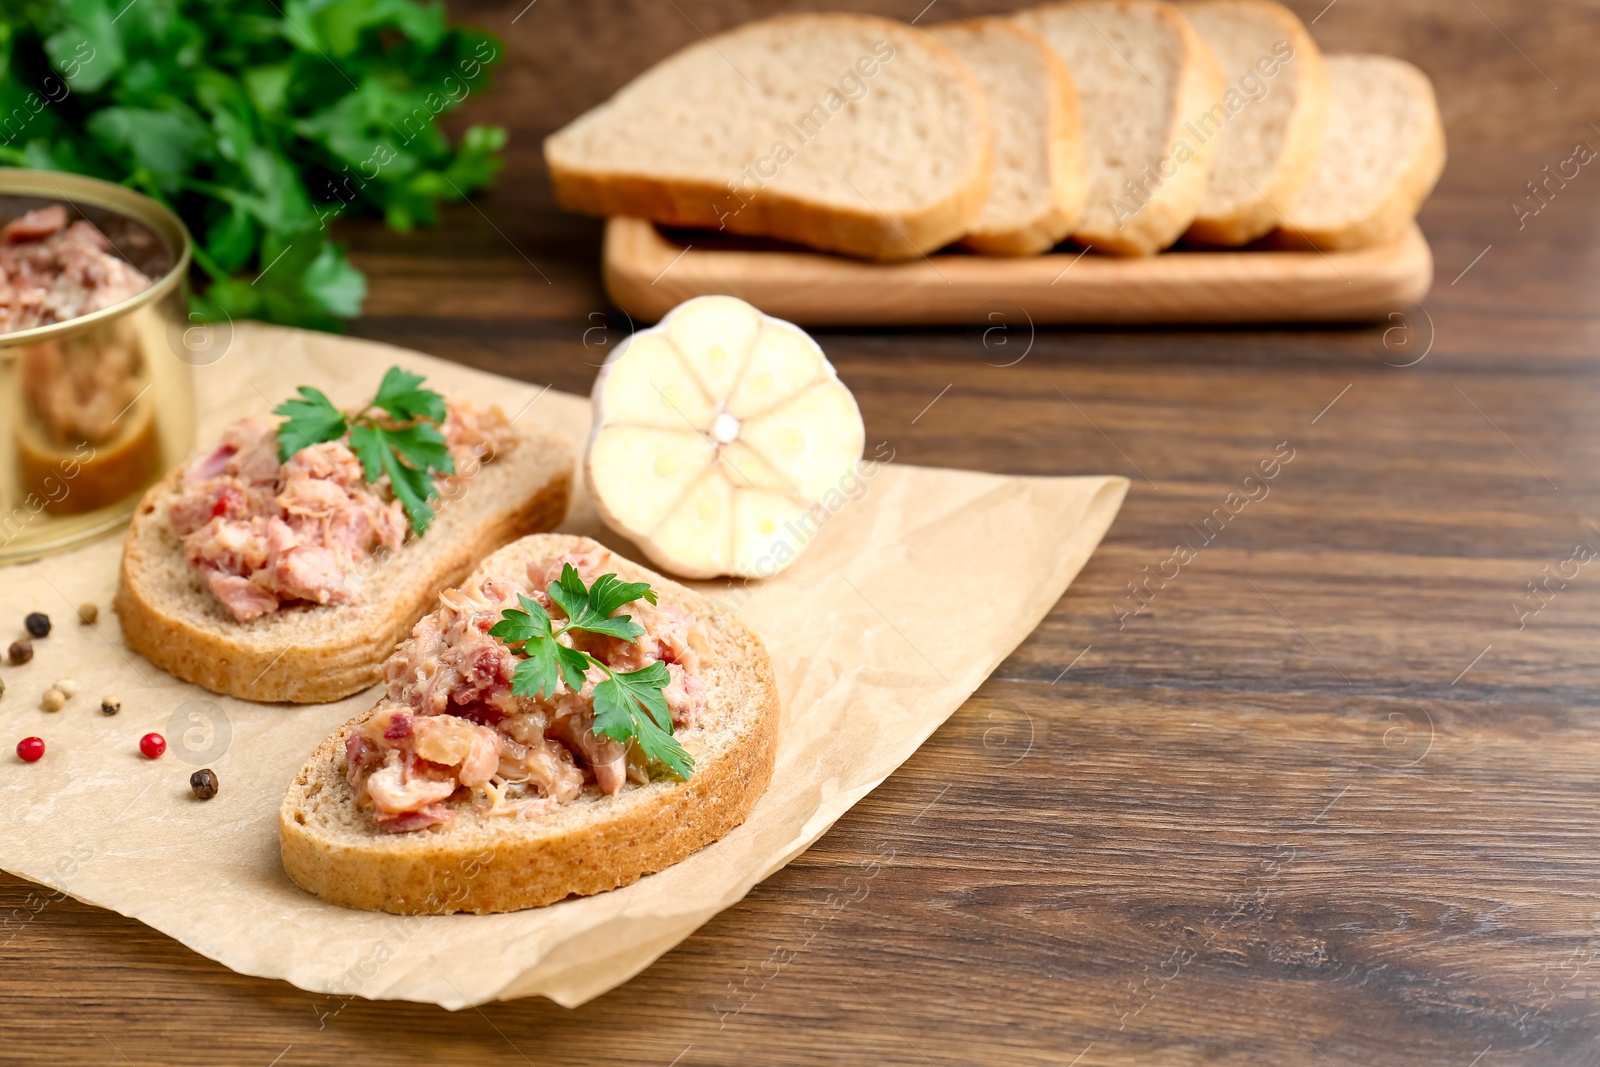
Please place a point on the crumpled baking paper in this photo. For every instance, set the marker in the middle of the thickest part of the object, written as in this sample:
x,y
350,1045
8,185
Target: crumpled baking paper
x,y
911,592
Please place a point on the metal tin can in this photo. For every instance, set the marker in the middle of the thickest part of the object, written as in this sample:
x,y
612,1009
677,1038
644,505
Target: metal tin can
x,y
93,409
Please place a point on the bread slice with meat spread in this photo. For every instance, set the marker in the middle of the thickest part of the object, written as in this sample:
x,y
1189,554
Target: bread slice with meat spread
x,y
306,652
478,852
847,133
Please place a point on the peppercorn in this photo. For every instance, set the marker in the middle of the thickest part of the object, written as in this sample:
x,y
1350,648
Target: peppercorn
x,y
204,783
53,700
110,705
68,687
30,749
38,624
88,611
152,745
21,651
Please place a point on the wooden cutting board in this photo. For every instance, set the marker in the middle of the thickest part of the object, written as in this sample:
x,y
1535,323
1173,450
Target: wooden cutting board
x,y
648,272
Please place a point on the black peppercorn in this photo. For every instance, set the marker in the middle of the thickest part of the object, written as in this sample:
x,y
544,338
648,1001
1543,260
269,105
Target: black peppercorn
x,y
21,651
204,783
38,624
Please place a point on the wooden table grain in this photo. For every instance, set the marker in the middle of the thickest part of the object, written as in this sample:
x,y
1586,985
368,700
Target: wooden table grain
x,y
1322,793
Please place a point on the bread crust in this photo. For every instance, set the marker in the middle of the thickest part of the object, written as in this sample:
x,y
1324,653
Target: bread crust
x,y
863,232
1069,181
224,656
495,864
1301,146
1388,220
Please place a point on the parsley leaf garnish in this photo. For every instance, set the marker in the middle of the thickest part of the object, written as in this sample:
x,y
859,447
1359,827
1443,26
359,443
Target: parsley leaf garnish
x,y
547,659
628,706
410,453
632,705
312,420
590,609
401,396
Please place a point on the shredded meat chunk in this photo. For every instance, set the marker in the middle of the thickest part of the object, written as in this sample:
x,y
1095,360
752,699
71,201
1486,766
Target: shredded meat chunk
x,y
51,271
79,387
265,534
474,434
449,710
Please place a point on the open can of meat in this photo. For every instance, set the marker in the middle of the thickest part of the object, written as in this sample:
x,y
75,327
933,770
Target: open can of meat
x,y
96,356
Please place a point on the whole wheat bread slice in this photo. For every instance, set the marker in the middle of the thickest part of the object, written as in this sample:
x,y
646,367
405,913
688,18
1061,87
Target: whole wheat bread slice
x,y
1040,176
1383,152
847,133
1142,72
490,863
1270,118
311,653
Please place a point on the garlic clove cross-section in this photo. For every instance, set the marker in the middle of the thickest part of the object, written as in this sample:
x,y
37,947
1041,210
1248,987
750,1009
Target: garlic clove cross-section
x,y
714,433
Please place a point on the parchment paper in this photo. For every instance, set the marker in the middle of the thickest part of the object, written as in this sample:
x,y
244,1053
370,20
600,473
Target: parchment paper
x,y
900,607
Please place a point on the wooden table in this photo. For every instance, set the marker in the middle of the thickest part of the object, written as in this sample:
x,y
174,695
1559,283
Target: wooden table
x,y
1329,799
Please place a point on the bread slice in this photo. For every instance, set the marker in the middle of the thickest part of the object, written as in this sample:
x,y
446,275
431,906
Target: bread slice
x,y
311,653
1270,118
489,863
1039,170
847,133
1383,152
1142,72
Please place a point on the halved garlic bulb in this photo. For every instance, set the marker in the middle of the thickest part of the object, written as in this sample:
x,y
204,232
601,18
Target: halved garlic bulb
x,y
714,433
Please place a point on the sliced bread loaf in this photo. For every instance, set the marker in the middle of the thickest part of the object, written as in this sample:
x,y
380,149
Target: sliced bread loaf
x,y
490,863
848,133
1383,151
1039,168
1270,118
1142,72
310,653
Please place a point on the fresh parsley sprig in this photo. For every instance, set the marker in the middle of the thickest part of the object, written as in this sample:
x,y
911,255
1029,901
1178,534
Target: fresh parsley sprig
x,y
264,124
408,448
628,705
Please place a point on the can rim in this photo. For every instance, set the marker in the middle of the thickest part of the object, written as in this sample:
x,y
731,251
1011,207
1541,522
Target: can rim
x,y
73,188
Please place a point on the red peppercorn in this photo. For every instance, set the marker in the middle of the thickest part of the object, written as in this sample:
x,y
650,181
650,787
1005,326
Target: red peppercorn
x,y
30,749
152,745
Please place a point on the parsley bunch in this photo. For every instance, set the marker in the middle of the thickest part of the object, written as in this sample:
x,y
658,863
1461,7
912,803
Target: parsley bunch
x,y
627,705
409,448
260,122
